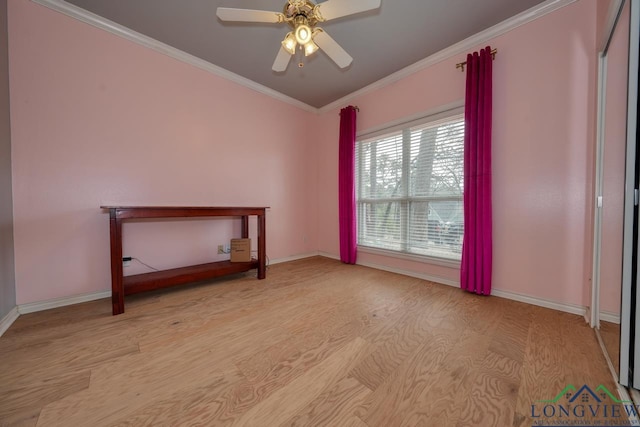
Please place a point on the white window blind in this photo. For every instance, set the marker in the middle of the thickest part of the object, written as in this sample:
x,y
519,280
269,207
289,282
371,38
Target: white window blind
x,y
409,189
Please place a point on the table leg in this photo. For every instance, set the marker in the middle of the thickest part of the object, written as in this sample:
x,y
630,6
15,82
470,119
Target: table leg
x,y
245,227
262,247
117,288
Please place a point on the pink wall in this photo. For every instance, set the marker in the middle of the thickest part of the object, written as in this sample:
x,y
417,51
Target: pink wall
x,y
98,119
614,166
543,140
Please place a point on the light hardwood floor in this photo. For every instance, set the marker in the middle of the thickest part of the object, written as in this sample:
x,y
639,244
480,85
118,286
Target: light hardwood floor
x,y
317,343
610,333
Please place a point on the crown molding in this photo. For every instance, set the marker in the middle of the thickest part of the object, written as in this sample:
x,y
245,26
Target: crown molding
x,y
461,47
97,21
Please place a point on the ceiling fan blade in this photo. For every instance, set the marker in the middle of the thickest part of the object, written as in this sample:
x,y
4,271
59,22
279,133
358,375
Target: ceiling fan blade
x,y
248,15
332,49
332,9
282,60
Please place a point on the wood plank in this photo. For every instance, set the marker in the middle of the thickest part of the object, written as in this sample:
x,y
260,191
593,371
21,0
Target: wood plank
x,y
354,422
284,403
196,405
408,335
561,351
21,419
269,371
493,393
442,402
335,406
34,363
393,399
146,382
18,401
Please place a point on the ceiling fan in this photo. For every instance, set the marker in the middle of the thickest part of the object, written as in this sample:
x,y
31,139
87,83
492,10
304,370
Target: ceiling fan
x,y
303,16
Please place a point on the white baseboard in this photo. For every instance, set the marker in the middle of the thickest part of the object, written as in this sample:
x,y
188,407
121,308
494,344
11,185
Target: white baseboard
x,y
61,302
610,317
565,307
293,258
541,302
8,320
77,299
568,308
430,278
329,255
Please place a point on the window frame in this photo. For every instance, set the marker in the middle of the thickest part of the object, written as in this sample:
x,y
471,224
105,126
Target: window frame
x,y
402,125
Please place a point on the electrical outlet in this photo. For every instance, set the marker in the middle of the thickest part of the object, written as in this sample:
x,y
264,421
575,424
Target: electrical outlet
x,y
126,261
220,249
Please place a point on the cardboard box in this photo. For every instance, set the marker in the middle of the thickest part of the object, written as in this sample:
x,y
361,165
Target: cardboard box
x,y
240,250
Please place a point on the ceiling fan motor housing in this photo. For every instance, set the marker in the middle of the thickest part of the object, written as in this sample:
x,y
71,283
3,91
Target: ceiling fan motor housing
x,y
301,11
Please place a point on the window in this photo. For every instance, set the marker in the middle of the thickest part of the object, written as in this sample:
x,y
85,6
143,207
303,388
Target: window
x,y
409,183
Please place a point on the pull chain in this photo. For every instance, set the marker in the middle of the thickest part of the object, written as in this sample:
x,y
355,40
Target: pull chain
x,y
301,55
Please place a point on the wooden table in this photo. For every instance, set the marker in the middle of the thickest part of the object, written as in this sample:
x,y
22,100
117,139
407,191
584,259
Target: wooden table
x,y
121,285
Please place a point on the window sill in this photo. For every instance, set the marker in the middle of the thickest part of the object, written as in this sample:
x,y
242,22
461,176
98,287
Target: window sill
x,y
411,257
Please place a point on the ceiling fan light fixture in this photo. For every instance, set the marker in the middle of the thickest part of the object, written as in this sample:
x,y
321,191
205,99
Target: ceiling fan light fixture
x,y
303,34
289,43
310,48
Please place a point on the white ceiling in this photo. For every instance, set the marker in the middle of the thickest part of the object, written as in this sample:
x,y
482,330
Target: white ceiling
x,y
381,42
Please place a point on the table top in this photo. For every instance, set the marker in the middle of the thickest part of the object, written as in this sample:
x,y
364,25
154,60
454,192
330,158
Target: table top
x,y
123,212
184,207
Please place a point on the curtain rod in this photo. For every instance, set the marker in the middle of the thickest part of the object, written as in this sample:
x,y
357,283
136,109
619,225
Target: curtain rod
x,y
356,108
462,64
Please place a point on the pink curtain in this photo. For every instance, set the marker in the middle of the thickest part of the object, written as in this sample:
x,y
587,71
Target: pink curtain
x,y
475,271
347,188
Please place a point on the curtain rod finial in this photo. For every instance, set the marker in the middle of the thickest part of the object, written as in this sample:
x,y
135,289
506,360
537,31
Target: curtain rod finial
x,y
355,107
461,65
